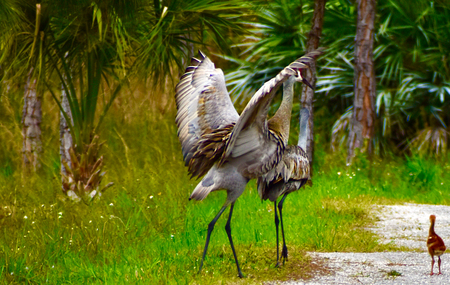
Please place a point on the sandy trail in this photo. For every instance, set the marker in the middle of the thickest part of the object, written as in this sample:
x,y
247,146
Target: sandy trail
x,y
404,225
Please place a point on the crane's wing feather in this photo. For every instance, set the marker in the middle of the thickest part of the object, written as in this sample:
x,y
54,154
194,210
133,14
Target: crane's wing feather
x,y
203,104
255,113
294,166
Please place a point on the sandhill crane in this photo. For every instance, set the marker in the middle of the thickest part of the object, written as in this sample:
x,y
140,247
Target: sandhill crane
x,y
289,175
216,142
435,244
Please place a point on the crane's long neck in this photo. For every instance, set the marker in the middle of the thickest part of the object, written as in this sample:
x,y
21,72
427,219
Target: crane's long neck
x,y
281,121
304,130
431,231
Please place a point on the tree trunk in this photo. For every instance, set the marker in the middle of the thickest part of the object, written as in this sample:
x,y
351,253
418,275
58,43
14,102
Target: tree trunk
x,y
310,75
31,121
362,123
65,137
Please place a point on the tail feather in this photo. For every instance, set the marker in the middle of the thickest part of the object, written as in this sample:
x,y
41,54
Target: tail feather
x,y
202,190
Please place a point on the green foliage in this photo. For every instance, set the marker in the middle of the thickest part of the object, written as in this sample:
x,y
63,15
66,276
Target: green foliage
x,y
411,65
168,31
89,48
24,27
412,72
277,39
423,172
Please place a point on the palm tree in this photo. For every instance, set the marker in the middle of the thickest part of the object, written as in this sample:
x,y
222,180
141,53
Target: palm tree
x,y
23,54
416,76
105,43
91,45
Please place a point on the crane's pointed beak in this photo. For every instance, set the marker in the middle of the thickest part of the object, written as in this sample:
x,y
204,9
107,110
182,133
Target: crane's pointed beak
x,y
307,83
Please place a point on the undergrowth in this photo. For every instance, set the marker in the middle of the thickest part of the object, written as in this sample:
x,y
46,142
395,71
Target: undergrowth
x,y
144,229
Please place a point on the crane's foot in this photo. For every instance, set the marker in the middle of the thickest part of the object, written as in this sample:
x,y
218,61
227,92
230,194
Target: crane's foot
x,y
240,274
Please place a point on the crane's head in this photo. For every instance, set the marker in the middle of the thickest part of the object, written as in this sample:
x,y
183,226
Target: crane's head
x,y
303,63
432,218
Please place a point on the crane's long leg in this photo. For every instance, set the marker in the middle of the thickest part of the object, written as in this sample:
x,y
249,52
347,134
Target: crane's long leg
x,y
284,251
439,263
432,264
208,236
277,222
228,230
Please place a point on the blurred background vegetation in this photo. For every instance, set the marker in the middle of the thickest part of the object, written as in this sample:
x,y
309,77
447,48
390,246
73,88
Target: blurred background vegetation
x,y
116,64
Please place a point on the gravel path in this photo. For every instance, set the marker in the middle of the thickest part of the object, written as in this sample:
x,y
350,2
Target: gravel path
x,y
407,225
404,225
379,268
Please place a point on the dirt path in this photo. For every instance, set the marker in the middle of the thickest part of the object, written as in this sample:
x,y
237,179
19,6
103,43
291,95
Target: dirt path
x,y
405,225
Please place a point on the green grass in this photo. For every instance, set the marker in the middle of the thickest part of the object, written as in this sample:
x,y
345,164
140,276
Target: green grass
x,y
144,229
393,273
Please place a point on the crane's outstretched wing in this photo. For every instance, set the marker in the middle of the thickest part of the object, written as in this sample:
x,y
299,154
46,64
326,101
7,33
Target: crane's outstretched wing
x,y
288,175
203,104
248,133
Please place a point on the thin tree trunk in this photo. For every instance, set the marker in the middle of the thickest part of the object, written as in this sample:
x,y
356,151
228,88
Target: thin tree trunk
x,y
31,121
362,123
307,93
65,137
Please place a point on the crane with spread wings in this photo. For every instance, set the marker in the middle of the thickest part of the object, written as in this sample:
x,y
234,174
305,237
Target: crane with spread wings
x,y
226,148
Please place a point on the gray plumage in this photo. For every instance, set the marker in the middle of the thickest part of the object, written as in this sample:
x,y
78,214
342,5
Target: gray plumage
x,y
226,148
289,175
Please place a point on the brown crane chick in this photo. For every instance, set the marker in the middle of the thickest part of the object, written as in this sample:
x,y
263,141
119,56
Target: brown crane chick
x,y
435,244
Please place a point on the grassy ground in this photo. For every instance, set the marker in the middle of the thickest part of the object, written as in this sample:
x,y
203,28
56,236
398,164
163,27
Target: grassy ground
x,y
144,229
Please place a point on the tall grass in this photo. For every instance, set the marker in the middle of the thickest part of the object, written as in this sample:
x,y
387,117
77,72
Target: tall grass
x,y
144,229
